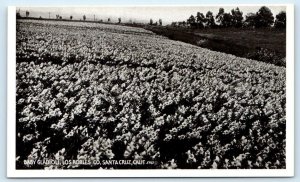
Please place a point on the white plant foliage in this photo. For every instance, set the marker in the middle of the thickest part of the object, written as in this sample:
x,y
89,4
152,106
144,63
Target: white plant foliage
x,y
99,92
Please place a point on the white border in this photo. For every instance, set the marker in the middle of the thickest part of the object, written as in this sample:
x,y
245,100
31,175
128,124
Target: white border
x,y
11,117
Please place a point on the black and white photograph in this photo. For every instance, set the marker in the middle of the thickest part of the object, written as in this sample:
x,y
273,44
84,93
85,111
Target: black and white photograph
x,y
152,88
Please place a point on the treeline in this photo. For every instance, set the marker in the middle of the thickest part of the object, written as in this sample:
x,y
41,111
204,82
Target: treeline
x,y
263,18
59,17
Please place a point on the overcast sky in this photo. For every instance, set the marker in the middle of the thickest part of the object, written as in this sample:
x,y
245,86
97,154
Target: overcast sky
x,y
168,14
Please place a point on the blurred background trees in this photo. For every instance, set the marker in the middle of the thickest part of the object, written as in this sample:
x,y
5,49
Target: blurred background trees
x,y
280,21
237,17
27,14
263,18
210,20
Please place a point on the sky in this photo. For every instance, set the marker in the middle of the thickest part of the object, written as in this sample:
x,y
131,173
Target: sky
x,y
141,14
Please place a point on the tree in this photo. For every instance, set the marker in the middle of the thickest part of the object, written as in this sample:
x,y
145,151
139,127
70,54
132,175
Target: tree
x,y
27,14
200,19
224,19
160,22
210,20
108,19
237,17
60,17
220,15
18,15
119,20
71,17
191,21
264,17
227,20
84,17
250,20
151,22
280,21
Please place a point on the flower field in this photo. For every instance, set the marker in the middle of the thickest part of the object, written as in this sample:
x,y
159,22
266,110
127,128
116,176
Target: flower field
x,y
99,92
